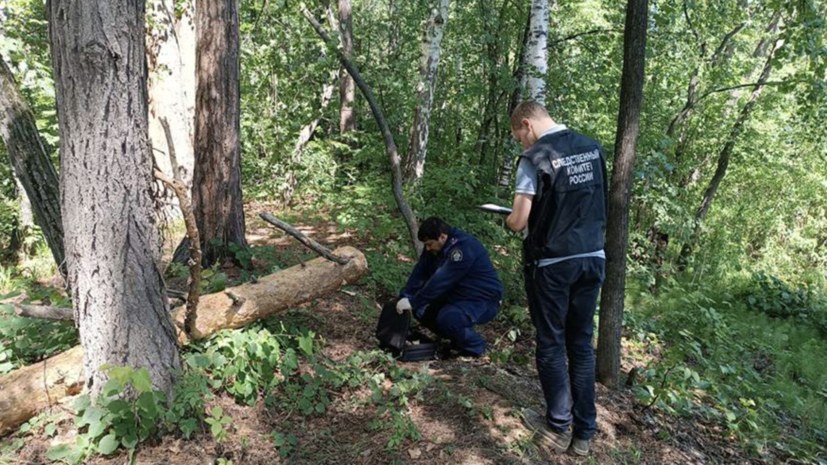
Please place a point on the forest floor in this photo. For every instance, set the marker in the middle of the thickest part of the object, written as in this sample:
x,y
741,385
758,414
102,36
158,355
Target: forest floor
x,y
468,415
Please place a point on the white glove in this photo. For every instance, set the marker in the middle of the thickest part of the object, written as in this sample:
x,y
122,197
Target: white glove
x,y
402,305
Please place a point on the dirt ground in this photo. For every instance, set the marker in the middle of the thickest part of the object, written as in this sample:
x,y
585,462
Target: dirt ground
x,y
489,432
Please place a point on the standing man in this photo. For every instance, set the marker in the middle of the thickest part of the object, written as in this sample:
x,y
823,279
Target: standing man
x,y
453,287
561,199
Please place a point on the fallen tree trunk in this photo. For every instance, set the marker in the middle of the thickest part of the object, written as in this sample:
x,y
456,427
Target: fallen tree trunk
x,y
29,390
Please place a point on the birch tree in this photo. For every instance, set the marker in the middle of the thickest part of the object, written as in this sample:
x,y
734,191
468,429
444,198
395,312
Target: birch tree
x,y
533,70
537,52
170,85
431,49
111,238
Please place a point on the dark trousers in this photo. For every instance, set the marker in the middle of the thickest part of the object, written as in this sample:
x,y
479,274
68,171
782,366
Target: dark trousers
x,y
455,321
562,298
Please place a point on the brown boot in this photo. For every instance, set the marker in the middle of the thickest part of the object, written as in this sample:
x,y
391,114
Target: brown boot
x,y
543,433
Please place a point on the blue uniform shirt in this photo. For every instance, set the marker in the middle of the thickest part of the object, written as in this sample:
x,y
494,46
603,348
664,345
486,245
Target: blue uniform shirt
x,y
461,271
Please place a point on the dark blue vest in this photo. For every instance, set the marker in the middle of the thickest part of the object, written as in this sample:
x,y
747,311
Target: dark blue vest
x,y
568,212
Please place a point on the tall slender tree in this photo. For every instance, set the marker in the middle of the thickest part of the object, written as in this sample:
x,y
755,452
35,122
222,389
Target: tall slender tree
x,y
347,91
431,49
531,71
216,190
725,155
537,52
111,238
617,230
29,156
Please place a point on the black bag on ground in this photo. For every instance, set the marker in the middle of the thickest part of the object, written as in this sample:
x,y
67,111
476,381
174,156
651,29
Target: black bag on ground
x,y
395,335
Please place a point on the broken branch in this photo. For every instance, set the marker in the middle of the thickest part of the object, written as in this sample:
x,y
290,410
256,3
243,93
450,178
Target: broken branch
x,y
309,243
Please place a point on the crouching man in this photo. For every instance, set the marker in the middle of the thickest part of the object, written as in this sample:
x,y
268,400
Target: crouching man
x,y
453,287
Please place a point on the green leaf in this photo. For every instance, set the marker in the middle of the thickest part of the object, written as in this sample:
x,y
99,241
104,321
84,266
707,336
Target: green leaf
x,y
141,380
278,439
108,444
130,441
306,343
58,452
112,388
122,374
82,403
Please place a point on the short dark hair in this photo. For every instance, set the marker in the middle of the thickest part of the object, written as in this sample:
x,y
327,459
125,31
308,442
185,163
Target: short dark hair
x,y
527,110
432,228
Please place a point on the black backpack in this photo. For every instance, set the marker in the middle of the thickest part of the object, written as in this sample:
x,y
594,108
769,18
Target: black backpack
x,y
407,345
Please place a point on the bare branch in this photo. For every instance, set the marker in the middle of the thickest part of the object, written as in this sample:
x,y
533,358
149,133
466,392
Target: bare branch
x,y
309,243
387,135
585,33
194,287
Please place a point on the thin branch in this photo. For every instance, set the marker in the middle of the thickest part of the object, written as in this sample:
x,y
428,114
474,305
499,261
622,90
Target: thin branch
x,y
194,262
701,44
585,33
717,55
309,243
739,86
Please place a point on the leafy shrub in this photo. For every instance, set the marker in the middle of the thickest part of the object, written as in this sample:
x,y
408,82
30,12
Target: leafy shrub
x,y
780,299
128,411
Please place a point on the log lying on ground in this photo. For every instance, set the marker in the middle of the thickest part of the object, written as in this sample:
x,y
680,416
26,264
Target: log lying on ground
x,y
29,390
242,305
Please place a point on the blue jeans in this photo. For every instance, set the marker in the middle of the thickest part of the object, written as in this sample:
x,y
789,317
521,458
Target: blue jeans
x,y
456,320
562,298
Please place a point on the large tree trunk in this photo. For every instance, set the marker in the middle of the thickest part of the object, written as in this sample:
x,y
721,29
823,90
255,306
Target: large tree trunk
x,y
347,91
111,239
36,387
537,52
168,96
387,135
30,161
617,230
431,49
217,181
724,157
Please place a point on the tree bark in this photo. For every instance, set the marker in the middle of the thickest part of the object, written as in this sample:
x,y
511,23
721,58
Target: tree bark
x,y
216,190
111,238
168,92
431,49
347,91
387,135
537,52
617,230
516,97
724,157
31,389
29,157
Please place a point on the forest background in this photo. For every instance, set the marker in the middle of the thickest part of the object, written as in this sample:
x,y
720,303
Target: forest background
x,y
726,288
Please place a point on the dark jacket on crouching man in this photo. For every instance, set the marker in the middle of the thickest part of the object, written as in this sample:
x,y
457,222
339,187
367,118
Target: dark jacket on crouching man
x,y
453,287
